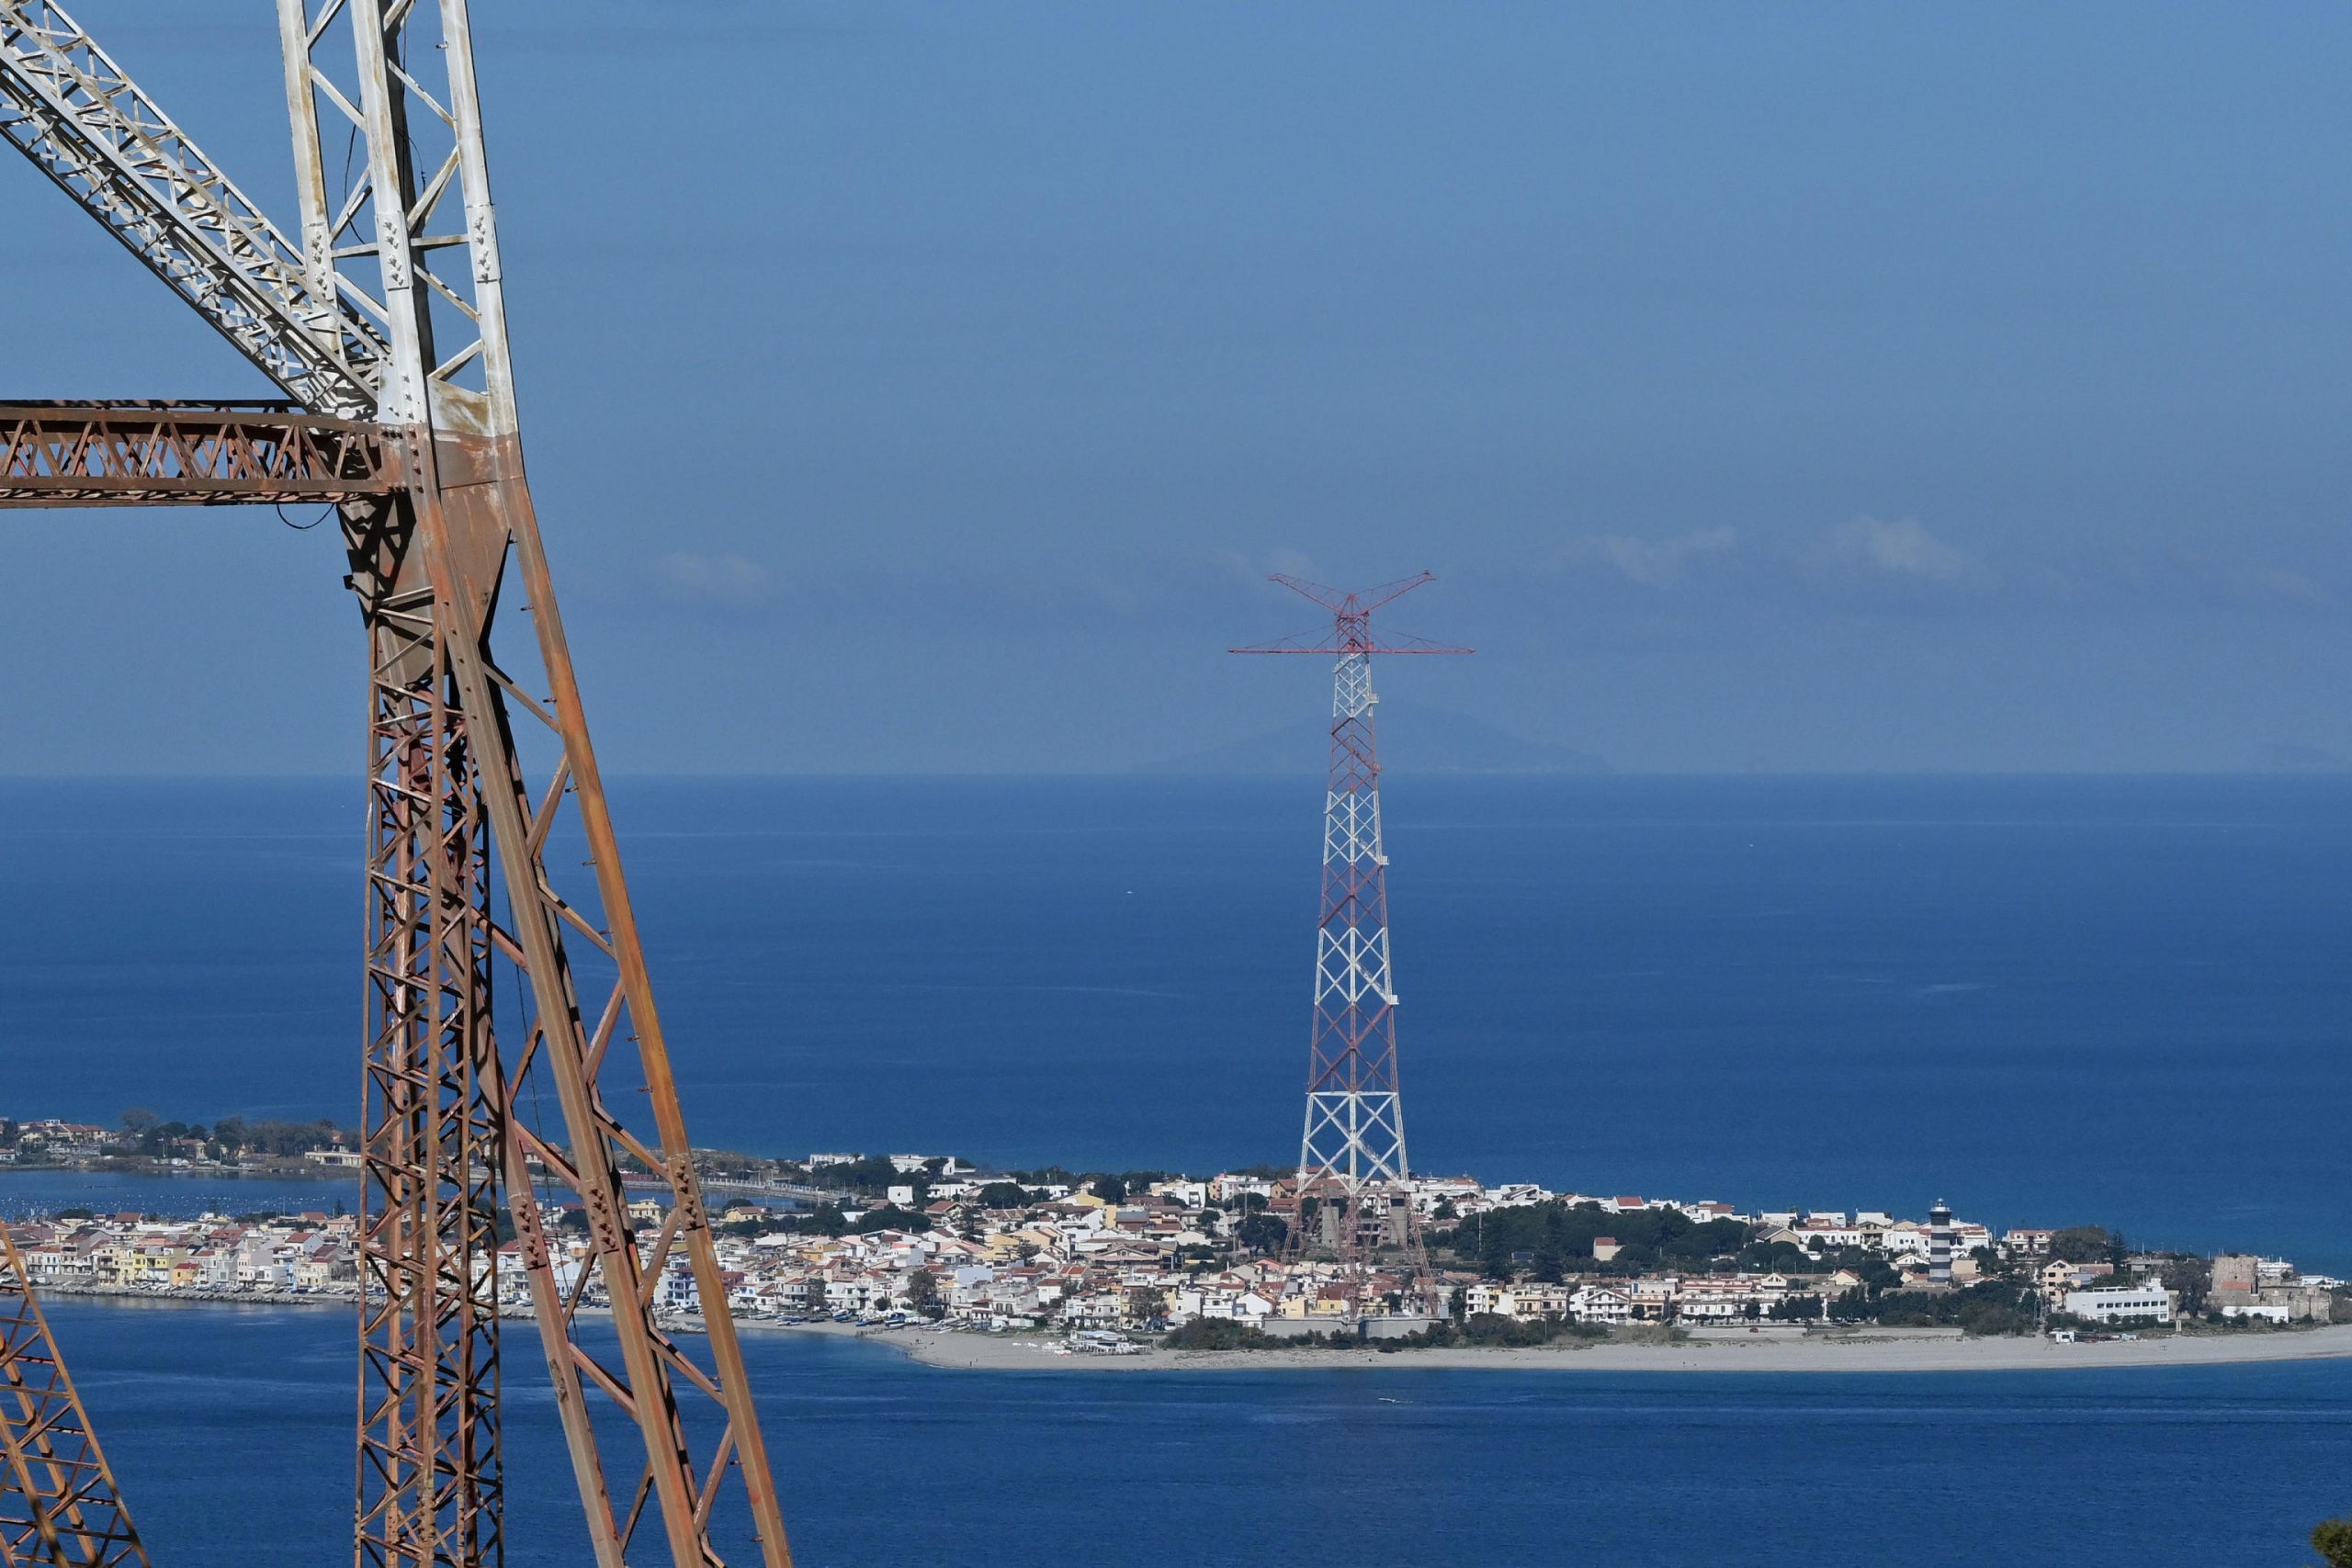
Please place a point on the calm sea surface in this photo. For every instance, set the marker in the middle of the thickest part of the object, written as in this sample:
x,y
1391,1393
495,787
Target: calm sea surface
x,y
2049,1000
232,1428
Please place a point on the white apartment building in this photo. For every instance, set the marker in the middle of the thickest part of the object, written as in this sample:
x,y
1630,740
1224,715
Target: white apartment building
x,y
2121,1304
1189,1194
1600,1303
1229,1187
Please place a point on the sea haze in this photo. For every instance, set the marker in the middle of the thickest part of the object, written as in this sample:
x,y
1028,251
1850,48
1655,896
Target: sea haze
x,y
2117,1001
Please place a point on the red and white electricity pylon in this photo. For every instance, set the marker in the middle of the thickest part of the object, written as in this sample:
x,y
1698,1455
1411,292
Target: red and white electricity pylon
x,y
1352,1171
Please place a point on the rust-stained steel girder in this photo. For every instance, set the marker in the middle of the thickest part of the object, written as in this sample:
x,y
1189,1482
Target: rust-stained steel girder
x,y
58,1503
154,454
431,1477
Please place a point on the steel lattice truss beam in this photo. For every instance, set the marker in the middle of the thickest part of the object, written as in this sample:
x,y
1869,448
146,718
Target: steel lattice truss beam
x,y
58,1503
1352,1163
391,312
161,454
70,108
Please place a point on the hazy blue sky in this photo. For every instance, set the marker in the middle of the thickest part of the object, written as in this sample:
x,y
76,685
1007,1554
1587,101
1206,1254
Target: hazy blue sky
x,y
925,387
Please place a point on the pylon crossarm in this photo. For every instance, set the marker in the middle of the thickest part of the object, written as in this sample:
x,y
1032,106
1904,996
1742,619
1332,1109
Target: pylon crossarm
x,y
132,454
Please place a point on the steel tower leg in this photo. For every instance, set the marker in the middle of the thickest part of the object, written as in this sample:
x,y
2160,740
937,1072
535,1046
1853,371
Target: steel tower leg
x,y
58,1503
430,1483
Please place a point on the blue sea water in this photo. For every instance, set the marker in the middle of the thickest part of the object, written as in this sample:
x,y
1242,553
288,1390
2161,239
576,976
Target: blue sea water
x,y
27,1193
230,1428
2119,1000
2049,1000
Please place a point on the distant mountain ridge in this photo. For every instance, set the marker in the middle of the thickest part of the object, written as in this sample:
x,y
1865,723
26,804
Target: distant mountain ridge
x,y
1422,739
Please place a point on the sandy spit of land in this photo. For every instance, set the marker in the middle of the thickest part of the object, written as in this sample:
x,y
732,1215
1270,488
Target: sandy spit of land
x,y
1884,1351
1707,1351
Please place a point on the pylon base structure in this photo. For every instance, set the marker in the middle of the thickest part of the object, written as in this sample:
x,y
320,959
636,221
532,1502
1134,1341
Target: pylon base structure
x,y
1352,1202
384,326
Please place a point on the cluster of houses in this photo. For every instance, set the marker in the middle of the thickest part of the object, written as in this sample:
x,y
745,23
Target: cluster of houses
x,y
289,1254
1068,1258
51,1140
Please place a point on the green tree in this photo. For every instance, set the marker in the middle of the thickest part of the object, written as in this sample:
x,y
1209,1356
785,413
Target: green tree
x,y
2081,1244
1110,1188
1215,1334
2192,1279
2331,1539
1004,1195
138,1118
869,1173
1262,1232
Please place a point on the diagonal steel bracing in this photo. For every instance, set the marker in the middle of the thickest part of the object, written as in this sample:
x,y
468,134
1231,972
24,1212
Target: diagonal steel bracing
x,y
86,125
58,1503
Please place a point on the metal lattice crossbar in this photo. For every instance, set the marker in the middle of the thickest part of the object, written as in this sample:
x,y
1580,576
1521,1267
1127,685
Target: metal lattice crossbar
x,y
135,454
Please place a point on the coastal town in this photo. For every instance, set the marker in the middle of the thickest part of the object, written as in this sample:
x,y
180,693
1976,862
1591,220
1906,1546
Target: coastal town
x,y
1109,1261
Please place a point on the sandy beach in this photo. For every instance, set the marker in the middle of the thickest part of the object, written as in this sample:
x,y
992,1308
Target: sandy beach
x,y
1706,1350
1875,1350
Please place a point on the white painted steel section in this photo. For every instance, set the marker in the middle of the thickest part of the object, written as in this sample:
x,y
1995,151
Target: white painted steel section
x,y
411,239
67,106
1354,1133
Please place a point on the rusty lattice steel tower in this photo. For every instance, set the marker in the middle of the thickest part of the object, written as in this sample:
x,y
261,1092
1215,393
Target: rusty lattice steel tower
x,y
383,323
1352,1199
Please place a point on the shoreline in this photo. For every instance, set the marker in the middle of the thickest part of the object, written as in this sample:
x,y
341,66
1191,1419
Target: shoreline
x,y
1864,1351
1915,1350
